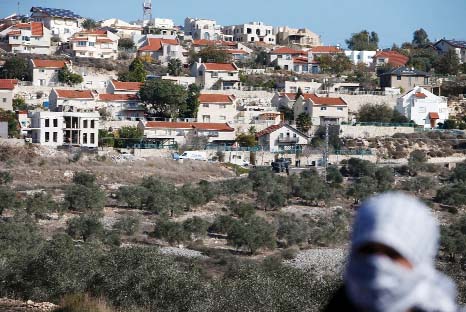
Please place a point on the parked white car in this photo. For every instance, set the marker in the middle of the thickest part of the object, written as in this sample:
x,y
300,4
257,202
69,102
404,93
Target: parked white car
x,y
194,155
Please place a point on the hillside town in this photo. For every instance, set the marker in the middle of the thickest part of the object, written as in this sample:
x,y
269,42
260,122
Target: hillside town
x,y
152,166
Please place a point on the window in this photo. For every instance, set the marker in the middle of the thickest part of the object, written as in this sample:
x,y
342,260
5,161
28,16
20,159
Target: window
x,y
84,138
231,74
67,31
55,137
81,43
214,75
55,123
398,77
91,44
4,100
47,136
15,37
340,108
92,124
92,138
205,105
26,38
323,108
201,73
85,124
426,80
47,123
41,70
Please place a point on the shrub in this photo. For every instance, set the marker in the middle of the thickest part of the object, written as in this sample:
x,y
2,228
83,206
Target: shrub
x,y
170,231
134,196
252,234
310,186
419,156
85,227
292,230
8,199
196,226
363,188
334,175
454,195
242,210
40,204
83,198
358,168
128,225
222,225
5,178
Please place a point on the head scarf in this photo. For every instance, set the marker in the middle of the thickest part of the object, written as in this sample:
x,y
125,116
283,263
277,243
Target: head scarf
x,y
375,282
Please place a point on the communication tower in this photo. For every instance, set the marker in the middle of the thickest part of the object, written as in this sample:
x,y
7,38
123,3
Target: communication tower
x,y
147,10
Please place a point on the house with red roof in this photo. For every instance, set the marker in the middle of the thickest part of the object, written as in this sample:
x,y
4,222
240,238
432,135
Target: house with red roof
x,y
281,138
97,43
325,50
423,107
298,61
219,108
162,50
72,100
322,109
121,87
45,72
168,132
28,38
120,106
392,58
7,93
216,76
63,23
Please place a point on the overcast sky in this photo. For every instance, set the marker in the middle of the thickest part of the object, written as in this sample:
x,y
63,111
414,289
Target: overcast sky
x,y
334,20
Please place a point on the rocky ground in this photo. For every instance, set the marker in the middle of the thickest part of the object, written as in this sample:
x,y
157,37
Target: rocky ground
x,y
8,305
323,261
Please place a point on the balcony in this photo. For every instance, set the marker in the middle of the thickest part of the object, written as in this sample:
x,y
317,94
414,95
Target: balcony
x,y
288,140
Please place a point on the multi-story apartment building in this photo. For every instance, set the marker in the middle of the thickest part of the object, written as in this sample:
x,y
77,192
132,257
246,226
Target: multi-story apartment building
x,y
72,100
65,128
199,28
219,108
121,106
62,23
31,38
302,37
45,72
95,44
216,76
251,33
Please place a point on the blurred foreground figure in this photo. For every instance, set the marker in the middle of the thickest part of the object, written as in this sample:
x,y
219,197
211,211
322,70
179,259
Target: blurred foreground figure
x,y
391,267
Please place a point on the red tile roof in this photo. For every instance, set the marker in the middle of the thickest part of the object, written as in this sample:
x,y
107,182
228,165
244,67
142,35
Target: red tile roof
x,y
14,33
36,28
216,98
394,58
95,32
434,116
234,51
49,63
126,86
75,94
326,49
8,84
317,100
189,125
300,60
285,50
108,97
104,40
420,95
155,44
221,67
269,130
204,42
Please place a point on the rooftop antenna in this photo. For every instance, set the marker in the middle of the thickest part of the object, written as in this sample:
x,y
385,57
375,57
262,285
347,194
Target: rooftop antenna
x,y
18,13
147,10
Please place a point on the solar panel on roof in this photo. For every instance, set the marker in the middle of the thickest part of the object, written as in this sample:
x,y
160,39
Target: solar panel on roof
x,y
58,12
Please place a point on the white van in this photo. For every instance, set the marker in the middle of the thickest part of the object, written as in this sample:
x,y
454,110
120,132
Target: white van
x,y
194,155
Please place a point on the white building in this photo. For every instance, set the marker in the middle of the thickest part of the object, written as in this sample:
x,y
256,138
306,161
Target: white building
x,y
178,132
281,138
65,128
216,76
120,87
45,72
302,37
72,100
322,110
120,106
199,28
217,108
361,57
251,33
444,45
30,38
305,86
163,50
423,107
62,23
298,61
180,80
123,29
7,93
101,44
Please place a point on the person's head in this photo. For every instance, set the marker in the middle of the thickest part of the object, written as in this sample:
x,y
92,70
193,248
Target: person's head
x,y
394,238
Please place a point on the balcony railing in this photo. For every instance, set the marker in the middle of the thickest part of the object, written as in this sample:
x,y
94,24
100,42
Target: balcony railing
x,y
288,140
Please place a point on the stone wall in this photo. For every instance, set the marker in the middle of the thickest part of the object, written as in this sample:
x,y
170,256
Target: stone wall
x,y
371,131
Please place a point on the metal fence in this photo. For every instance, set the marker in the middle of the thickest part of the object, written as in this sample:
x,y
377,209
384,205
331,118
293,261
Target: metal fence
x,y
384,124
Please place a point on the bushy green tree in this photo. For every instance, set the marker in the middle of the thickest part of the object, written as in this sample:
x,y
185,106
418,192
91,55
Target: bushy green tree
x,y
242,210
420,38
292,230
164,98
8,199
136,72
13,124
310,186
192,101
363,188
170,231
210,55
39,204
85,227
418,156
68,77
89,24
126,43
334,175
196,227
253,233
380,113
175,67
448,64
453,194
128,225
246,140
133,196
363,41
16,67
84,194
303,122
